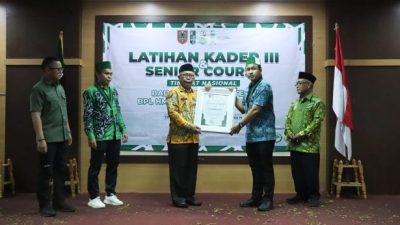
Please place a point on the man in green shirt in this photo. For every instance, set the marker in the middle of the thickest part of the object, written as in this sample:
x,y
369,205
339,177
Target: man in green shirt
x,y
104,127
302,132
48,107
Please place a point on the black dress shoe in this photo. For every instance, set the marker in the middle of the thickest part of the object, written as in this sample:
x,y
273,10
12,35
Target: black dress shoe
x,y
63,207
250,203
295,200
193,202
313,202
180,204
47,211
265,206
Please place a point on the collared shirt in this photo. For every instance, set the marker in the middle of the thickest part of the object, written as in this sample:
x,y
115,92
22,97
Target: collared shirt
x,y
181,105
262,127
304,118
49,99
102,114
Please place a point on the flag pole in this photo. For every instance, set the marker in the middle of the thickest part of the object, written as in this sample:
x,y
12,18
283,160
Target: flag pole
x,y
338,48
346,161
346,153
60,47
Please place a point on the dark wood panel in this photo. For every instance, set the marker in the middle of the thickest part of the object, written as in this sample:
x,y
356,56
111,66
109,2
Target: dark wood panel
x,y
369,29
20,138
376,110
33,28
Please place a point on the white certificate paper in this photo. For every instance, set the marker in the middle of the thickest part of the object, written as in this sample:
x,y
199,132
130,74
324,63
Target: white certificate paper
x,y
214,109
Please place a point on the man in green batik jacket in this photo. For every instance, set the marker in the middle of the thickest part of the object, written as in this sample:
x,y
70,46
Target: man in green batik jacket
x,y
302,132
104,127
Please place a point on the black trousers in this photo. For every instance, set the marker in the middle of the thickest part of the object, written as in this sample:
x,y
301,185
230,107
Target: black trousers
x,y
259,155
305,172
111,149
182,170
52,164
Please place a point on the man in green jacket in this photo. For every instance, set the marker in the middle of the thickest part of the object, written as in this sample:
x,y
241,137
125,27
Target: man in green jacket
x,y
104,127
302,132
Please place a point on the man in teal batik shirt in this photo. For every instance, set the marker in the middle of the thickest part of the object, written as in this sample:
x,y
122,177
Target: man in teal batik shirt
x,y
104,127
259,119
302,132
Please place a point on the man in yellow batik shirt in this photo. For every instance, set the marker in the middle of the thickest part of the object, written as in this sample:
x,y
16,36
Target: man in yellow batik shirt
x,y
183,140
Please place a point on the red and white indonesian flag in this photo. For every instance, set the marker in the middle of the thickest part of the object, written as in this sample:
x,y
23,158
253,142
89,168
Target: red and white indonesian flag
x,y
341,103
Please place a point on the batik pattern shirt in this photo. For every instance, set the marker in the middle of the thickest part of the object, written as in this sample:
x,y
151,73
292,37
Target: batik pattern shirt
x,y
181,104
102,114
262,127
304,118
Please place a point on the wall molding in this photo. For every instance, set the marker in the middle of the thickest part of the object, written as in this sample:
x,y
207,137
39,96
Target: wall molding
x,y
37,62
365,62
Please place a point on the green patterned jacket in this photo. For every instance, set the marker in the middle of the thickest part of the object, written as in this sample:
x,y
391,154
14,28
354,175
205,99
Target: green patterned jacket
x,y
102,114
304,118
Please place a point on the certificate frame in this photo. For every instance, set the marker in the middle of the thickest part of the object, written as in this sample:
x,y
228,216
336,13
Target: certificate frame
x,y
215,109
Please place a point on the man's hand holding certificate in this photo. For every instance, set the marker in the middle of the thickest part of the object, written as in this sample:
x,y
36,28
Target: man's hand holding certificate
x,y
214,109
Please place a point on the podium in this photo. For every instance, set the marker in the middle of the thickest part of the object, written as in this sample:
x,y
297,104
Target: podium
x,y
341,169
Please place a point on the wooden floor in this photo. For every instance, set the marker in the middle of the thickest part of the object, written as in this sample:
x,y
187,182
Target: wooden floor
x,y
217,209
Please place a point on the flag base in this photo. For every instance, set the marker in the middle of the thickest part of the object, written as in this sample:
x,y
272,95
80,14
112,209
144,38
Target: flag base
x,y
340,169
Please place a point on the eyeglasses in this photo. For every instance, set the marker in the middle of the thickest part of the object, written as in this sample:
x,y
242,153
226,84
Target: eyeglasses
x,y
300,82
61,69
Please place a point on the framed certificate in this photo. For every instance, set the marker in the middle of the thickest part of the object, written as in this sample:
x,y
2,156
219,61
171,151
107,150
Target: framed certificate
x,y
214,109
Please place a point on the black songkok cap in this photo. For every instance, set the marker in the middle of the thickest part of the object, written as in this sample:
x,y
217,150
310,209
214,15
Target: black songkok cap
x,y
307,76
186,67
